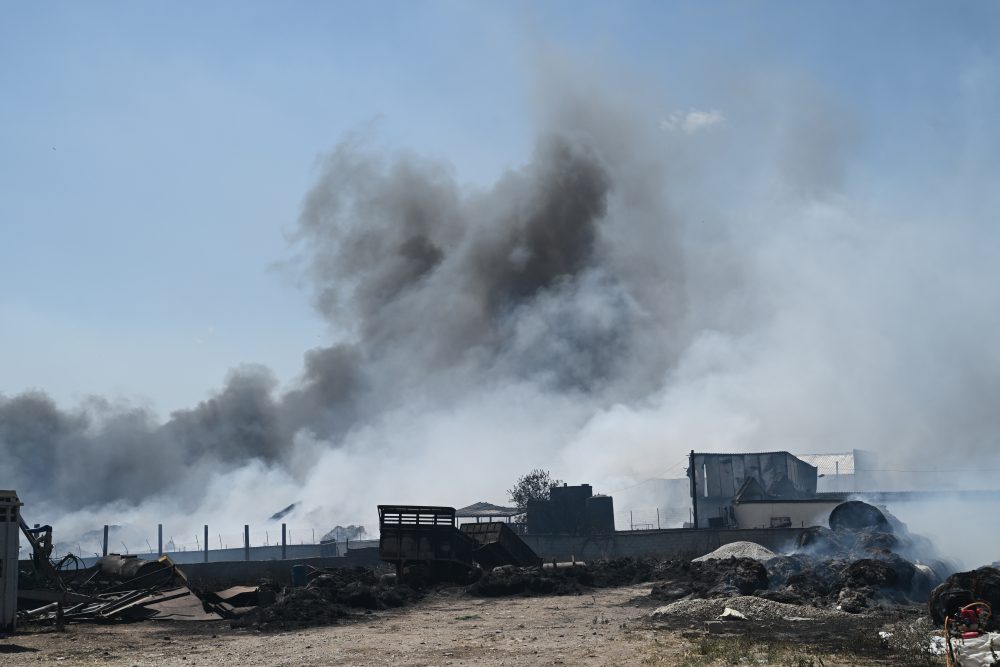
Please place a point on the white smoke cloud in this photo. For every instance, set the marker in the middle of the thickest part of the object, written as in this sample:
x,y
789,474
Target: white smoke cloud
x,y
692,121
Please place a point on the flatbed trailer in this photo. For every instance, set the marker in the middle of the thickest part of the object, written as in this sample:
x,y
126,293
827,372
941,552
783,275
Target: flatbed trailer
x,y
422,541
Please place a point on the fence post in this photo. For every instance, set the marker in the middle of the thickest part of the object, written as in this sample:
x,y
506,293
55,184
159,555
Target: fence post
x,y
657,518
246,542
631,526
206,542
284,541
105,540
159,539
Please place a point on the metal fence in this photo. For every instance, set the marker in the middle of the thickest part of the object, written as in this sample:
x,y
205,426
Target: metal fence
x,y
655,518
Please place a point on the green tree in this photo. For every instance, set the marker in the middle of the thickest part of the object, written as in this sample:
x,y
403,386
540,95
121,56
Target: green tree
x,y
533,486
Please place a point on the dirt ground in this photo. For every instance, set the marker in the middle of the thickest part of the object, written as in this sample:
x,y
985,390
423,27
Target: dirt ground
x,y
608,627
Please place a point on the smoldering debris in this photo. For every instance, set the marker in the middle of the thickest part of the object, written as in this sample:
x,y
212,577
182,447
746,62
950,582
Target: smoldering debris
x,y
965,588
115,589
329,596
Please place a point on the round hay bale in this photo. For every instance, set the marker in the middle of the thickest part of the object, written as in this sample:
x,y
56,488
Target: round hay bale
x,y
855,515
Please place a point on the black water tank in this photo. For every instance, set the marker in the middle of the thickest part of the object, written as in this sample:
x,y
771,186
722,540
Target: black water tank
x,y
600,515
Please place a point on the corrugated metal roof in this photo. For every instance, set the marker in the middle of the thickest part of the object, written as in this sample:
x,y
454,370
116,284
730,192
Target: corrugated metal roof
x,y
831,464
483,509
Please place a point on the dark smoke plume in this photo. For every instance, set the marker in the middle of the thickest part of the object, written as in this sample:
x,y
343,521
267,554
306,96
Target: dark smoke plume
x,y
429,283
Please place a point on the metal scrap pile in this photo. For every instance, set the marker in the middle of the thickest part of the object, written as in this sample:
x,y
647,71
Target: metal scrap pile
x,y
116,588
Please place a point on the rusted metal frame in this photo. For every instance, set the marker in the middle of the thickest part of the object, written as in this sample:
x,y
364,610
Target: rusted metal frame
x,y
41,558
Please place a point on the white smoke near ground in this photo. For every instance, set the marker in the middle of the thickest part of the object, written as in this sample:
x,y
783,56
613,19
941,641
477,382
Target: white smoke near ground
x,y
627,295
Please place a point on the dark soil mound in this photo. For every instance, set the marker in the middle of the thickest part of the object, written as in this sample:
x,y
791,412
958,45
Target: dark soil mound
x,y
625,571
508,580
962,588
330,595
572,580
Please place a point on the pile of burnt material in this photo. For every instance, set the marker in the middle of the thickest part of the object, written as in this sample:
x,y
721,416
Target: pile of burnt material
x,y
963,589
116,588
858,564
681,578
329,596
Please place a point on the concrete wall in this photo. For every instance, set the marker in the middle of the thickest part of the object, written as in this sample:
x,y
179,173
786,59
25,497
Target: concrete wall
x,y
675,543
216,576
758,514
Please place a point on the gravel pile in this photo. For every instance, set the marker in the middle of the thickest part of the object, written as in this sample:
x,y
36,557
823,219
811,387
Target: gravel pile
x,y
738,550
754,608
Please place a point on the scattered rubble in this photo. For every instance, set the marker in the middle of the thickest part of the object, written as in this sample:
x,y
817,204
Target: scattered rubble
x,y
750,606
116,588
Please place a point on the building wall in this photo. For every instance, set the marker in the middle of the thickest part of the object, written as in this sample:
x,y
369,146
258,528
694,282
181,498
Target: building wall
x,y
830,483
802,514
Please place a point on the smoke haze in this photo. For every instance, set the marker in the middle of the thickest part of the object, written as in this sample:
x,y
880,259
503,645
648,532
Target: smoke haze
x,y
628,294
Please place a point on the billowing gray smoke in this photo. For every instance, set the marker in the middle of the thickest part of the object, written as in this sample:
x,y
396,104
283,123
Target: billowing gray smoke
x,y
429,283
646,284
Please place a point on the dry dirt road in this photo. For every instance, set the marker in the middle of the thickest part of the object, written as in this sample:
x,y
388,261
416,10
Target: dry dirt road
x,y
446,628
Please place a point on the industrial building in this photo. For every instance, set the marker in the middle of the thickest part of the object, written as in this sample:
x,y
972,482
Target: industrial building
x,y
719,479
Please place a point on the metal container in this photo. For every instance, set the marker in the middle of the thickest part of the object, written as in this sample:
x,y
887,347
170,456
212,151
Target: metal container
x,y
499,545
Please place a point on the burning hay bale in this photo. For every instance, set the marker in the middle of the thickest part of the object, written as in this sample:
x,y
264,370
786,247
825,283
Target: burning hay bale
x,y
857,516
964,588
854,567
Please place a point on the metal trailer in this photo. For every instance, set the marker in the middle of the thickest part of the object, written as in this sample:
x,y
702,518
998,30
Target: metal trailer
x,y
10,527
498,545
423,542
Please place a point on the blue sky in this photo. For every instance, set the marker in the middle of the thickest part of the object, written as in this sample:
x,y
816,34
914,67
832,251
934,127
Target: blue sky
x,y
153,156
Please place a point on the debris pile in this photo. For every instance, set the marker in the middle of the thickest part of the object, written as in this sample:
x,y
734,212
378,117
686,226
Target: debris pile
x,y
964,588
330,595
509,580
712,578
853,567
116,588
571,579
